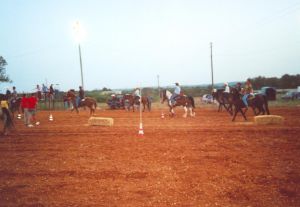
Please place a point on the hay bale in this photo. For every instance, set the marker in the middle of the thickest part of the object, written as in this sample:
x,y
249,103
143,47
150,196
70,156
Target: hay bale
x,y
100,121
268,119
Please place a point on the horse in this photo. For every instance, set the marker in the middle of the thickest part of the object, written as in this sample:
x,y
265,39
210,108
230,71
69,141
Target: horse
x,y
187,102
258,101
6,118
130,101
89,102
223,99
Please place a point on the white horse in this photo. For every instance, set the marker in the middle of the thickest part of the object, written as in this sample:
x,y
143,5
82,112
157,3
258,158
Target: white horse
x,y
187,102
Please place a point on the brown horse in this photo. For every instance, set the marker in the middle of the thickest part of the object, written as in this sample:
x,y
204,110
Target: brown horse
x,y
89,102
259,101
224,100
187,102
130,101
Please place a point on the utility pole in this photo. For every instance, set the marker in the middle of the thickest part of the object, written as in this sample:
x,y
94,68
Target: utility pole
x,y
81,66
212,68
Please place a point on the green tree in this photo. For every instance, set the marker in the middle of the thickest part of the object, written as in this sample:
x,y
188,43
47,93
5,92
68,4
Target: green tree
x,y
3,76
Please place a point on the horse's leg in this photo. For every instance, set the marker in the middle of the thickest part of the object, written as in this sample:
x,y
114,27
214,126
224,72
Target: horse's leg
x,y
235,112
144,106
185,111
254,111
230,109
192,113
243,114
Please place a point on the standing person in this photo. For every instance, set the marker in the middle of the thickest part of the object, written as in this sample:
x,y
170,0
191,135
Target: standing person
x,y
32,103
51,92
24,107
38,92
14,96
8,122
248,90
177,91
51,96
44,90
8,93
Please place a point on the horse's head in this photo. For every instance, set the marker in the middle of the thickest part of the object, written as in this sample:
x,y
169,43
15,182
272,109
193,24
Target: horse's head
x,y
235,93
71,94
162,95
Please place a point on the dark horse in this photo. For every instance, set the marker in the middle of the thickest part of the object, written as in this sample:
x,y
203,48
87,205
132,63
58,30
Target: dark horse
x,y
89,102
224,100
258,101
5,117
130,101
187,102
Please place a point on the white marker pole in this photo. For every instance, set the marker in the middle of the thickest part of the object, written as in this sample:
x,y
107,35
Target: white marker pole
x,y
141,131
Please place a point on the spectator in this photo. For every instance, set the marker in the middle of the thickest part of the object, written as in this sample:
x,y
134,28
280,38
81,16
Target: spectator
x,y
24,107
32,102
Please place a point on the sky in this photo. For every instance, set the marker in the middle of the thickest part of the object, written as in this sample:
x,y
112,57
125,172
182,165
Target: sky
x,y
128,43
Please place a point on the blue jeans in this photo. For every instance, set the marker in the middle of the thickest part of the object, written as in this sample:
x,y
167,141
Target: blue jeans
x,y
172,99
245,99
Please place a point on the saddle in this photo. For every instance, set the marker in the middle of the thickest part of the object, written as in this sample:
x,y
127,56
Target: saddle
x,y
250,97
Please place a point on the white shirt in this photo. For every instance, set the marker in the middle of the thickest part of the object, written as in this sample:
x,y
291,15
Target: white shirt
x,y
227,89
177,90
137,92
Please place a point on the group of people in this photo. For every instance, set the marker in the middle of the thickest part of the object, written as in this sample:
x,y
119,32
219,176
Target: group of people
x,y
43,92
245,92
28,106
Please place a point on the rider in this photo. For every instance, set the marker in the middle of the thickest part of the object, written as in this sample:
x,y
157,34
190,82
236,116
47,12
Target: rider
x,y
137,94
248,90
239,87
176,93
227,89
45,90
81,95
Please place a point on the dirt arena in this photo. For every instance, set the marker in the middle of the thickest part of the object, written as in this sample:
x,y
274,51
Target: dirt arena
x,y
201,161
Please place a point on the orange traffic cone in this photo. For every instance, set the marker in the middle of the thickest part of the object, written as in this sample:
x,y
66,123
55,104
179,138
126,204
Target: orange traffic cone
x,y
50,117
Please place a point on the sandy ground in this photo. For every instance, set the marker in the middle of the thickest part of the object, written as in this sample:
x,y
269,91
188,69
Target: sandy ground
x,y
201,161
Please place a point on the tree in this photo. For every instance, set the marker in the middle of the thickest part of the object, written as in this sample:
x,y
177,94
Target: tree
x,y
3,76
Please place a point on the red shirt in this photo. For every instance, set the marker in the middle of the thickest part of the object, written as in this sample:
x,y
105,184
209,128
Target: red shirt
x,y
24,102
32,102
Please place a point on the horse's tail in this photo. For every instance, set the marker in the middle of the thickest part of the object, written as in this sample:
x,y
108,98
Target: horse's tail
x,y
95,104
266,104
192,101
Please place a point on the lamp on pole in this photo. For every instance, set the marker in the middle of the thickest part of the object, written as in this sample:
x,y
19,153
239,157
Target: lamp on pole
x,y
79,35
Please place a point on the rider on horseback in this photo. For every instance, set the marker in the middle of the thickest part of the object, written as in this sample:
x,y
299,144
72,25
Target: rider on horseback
x,y
81,96
176,94
137,94
248,90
